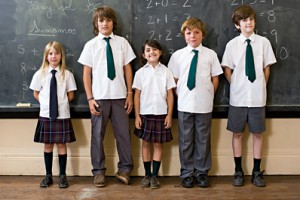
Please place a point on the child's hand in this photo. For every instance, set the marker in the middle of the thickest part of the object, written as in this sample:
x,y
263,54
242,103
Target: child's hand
x,y
138,122
168,122
94,107
128,104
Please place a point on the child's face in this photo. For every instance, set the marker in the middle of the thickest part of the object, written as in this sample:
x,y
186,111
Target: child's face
x,y
152,55
54,57
105,26
193,37
246,26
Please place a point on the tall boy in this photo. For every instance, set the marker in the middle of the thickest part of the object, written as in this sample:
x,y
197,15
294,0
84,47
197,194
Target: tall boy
x,y
247,89
195,69
108,85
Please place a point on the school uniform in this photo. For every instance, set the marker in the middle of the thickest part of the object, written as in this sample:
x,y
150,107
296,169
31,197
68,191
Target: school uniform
x,y
153,83
195,108
59,130
243,93
111,96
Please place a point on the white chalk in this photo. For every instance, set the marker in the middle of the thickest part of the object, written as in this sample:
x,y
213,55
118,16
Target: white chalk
x,y
23,105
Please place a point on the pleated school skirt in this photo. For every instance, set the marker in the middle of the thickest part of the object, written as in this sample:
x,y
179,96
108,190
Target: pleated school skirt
x,y
153,129
59,131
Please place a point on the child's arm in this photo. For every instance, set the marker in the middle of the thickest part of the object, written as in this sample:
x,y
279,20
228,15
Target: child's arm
x,y
71,96
87,81
175,90
215,82
170,103
267,73
128,79
36,95
228,73
137,96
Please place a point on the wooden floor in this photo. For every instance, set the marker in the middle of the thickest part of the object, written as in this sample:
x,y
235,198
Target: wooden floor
x,y
27,187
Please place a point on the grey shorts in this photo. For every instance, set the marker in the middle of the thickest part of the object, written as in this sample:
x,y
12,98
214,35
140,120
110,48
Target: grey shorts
x,y
239,116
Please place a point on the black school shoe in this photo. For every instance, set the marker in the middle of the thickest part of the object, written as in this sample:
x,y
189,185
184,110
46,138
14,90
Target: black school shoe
x,y
63,182
47,181
187,182
238,179
257,179
202,180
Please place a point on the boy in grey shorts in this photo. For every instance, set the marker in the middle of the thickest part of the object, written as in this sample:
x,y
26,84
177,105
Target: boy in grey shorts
x,y
247,59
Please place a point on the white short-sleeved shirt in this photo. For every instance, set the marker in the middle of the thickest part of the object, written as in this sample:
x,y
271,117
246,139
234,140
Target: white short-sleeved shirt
x,y
94,56
243,93
200,99
41,82
153,83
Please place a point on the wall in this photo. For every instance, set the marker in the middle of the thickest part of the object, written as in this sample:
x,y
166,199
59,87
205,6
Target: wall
x,y
19,155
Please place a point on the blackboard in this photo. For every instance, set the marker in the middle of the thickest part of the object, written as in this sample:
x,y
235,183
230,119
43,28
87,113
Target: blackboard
x,y
27,26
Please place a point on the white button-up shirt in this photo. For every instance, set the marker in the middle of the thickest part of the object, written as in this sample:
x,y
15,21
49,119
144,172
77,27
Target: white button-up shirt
x,y
200,99
41,82
153,83
94,56
243,93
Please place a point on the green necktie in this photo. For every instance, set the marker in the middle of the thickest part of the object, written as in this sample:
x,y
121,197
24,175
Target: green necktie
x,y
192,73
250,69
111,74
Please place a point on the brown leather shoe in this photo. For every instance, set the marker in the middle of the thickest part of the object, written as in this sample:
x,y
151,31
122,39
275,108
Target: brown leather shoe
x,y
124,177
99,180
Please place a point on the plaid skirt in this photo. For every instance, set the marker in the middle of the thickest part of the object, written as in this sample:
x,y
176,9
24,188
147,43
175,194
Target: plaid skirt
x,y
59,131
153,129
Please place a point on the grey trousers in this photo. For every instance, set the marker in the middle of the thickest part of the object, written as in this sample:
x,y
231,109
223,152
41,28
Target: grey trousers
x,y
194,143
114,110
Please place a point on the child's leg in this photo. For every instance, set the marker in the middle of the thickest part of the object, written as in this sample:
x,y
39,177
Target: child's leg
x,y
237,140
157,156
62,158
146,153
257,150
48,158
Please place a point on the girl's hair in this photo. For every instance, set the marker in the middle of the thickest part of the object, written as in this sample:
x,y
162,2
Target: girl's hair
x,y
153,44
242,12
193,23
104,12
59,49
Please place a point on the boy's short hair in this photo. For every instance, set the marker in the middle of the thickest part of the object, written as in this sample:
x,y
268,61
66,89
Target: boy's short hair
x,y
193,23
242,12
102,13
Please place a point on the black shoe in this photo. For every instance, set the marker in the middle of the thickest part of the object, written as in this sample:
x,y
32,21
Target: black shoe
x,y
238,179
47,181
257,179
202,180
63,182
187,182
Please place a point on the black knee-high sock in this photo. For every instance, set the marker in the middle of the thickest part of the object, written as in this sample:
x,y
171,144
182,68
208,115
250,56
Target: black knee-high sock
x,y
156,166
62,164
147,166
238,164
48,159
256,166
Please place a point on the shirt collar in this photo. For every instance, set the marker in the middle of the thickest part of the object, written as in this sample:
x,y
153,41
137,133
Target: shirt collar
x,y
243,38
149,65
101,36
199,48
50,68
